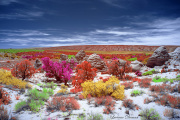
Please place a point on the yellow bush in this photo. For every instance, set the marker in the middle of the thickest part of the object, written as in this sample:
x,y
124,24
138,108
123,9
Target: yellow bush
x,y
98,89
63,89
7,78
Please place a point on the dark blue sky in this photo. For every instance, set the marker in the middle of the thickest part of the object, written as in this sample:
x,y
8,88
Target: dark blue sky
x,y
46,23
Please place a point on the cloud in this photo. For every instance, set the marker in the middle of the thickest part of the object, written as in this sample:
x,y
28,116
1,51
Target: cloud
x,y
158,32
23,15
7,2
112,3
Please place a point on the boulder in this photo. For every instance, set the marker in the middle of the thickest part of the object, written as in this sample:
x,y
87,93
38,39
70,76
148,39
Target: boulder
x,y
70,61
159,57
136,65
174,62
80,55
121,62
63,57
97,63
37,64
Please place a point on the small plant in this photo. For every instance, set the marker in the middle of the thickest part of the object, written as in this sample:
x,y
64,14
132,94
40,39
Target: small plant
x,y
170,113
4,115
157,79
149,72
149,114
4,97
136,92
128,103
17,97
138,73
128,85
95,116
19,105
145,82
178,76
132,59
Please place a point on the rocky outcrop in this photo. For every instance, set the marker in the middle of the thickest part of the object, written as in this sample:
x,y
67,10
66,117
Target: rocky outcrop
x,y
136,66
37,64
63,57
174,62
97,62
159,57
80,55
73,62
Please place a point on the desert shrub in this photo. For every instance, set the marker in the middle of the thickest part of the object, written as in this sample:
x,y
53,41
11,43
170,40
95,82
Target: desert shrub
x,y
61,71
20,104
36,95
63,89
27,57
178,76
4,97
128,103
114,58
109,105
35,105
115,70
149,72
6,55
157,79
147,100
70,56
149,114
95,116
170,113
107,57
138,73
128,85
145,60
7,78
145,82
84,72
4,115
174,101
132,59
156,88
63,103
98,89
136,92
136,80
163,100
23,70
127,77
51,85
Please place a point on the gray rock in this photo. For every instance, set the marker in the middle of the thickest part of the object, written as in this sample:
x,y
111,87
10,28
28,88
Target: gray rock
x,y
174,62
159,57
97,62
136,66
80,55
37,64
63,57
72,64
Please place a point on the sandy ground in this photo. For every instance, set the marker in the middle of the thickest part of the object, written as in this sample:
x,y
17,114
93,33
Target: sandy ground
x,y
86,108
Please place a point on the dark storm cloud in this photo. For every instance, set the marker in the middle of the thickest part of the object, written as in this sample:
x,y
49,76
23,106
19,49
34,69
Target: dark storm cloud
x,y
39,23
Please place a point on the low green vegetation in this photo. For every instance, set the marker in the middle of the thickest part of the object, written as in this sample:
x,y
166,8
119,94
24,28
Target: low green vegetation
x,y
136,92
149,114
70,56
149,72
19,50
157,79
20,104
51,85
95,116
132,59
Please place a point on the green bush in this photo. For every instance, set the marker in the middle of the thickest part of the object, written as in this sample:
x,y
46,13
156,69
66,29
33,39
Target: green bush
x,y
157,79
136,92
149,72
19,105
36,95
149,114
70,56
35,105
132,59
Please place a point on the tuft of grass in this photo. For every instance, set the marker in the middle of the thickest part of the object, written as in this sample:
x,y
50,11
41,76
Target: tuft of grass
x,y
19,105
149,114
136,92
95,116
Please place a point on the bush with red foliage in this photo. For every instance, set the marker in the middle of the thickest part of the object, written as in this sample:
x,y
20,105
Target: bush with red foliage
x,y
23,70
174,101
156,88
4,97
136,80
84,71
8,61
128,103
128,85
115,70
147,100
127,77
145,82
63,104
163,100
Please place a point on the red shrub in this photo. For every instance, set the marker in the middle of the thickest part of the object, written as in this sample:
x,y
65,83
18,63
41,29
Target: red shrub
x,y
63,104
147,100
17,97
127,77
163,100
174,101
114,69
81,96
145,82
4,97
84,72
128,103
136,80
23,70
128,85
8,61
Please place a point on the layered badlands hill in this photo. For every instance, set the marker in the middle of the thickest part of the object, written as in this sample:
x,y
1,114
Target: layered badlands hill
x,y
111,48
